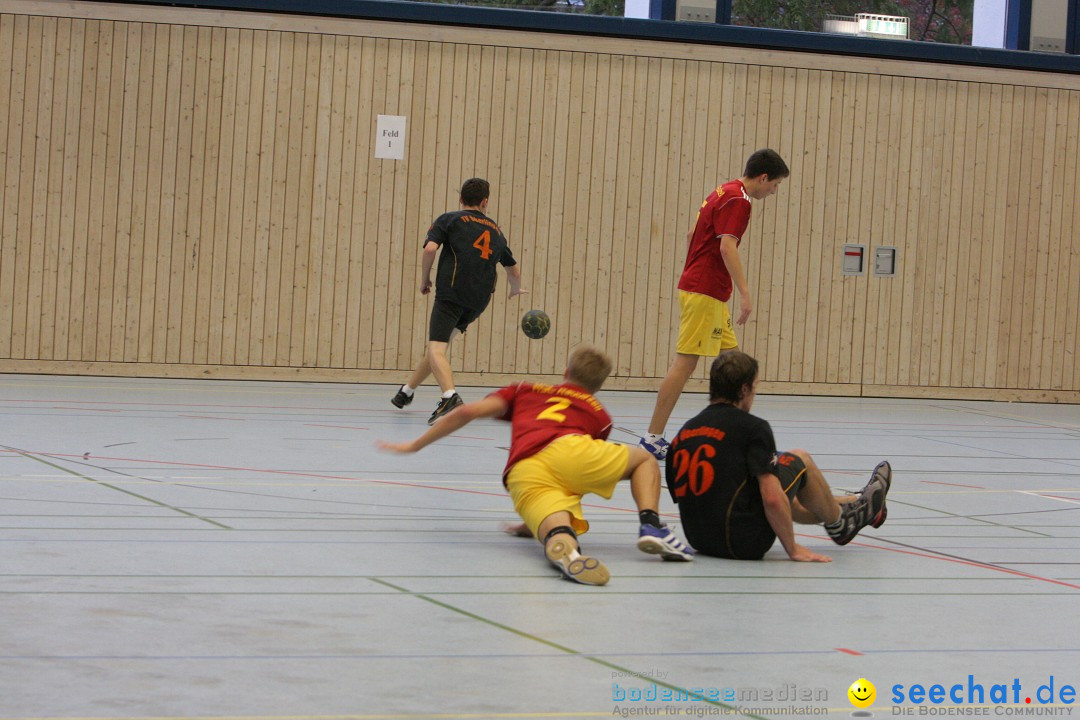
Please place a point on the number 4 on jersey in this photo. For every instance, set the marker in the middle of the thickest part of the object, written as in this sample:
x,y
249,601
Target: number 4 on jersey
x,y
483,244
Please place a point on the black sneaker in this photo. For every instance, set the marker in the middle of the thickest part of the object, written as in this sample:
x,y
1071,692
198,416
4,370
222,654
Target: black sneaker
x,y
867,509
401,399
445,405
883,474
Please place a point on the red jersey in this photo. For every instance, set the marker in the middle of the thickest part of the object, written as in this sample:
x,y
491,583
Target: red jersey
x,y
725,212
540,413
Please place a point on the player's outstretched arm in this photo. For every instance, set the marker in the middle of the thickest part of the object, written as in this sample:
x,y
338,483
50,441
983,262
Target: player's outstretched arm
x,y
491,406
513,278
778,513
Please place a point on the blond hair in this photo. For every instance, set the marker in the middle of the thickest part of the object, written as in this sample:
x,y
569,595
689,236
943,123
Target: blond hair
x,y
588,367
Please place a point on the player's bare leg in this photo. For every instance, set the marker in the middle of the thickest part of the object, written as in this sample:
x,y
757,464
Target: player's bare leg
x,y
424,368
421,373
815,503
670,390
644,474
440,365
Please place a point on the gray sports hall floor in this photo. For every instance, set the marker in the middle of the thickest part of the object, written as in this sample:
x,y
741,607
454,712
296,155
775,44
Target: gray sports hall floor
x,y
175,548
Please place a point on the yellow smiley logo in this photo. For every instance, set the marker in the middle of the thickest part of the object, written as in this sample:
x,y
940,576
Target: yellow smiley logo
x,y
862,693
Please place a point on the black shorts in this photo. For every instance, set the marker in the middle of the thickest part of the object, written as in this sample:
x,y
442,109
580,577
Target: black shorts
x,y
446,317
749,534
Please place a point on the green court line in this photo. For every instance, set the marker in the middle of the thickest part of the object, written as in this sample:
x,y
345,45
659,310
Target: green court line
x,y
43,461
556,646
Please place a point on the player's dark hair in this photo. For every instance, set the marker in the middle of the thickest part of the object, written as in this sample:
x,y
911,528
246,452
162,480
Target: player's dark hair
x,y
474,191
768,162
588,367
732,371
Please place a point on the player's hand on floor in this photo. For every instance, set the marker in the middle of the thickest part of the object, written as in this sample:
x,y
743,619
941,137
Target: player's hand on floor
x,y
802,554
516,529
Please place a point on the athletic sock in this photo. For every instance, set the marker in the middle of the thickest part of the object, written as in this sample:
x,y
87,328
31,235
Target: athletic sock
x,y
652,438
649,517
408,390
449,393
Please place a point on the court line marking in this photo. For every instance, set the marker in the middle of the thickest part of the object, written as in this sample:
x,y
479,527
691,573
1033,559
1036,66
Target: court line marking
x,y
570,651
1071,501
466,656
922,552
934,555
36,458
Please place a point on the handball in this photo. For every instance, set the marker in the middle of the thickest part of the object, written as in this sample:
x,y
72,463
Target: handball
x,y
535,324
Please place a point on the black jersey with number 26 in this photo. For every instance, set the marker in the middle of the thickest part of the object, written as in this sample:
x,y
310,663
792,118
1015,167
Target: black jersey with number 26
x,y
472,246
713,466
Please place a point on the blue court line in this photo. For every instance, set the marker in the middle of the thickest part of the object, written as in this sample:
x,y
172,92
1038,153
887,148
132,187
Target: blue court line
x,y
482,656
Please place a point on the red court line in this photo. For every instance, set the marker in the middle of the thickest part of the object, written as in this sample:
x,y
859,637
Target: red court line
x,y
339,408
293,473
1058,497
971,563
60,407
184,405
848,651
934,482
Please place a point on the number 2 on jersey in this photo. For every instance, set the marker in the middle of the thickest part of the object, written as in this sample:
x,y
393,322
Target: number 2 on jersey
x,y
555,411
483,244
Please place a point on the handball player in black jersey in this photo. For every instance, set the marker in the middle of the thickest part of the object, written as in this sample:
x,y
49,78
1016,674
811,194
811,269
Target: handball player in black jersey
x,y
472,246
737,494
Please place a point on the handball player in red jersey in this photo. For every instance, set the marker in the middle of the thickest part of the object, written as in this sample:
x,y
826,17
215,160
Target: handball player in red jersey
x,y
559,452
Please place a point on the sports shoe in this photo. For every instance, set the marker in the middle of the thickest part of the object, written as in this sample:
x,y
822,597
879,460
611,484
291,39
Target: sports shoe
x,y
575,566
663,542
657,449
445,405
883,473
401,399
867,509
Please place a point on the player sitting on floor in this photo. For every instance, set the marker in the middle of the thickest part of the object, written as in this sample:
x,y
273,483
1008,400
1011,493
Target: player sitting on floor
x,y
558,452
736,495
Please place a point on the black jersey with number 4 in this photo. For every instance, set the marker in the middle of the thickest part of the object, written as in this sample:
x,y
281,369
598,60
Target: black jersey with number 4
x,y
712,473
472,246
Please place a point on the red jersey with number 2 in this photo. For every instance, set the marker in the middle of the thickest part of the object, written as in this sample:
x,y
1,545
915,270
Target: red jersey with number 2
x,y
541,413
725,212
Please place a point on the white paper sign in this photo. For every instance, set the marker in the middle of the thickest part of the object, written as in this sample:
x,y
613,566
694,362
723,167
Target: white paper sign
x,y
390,137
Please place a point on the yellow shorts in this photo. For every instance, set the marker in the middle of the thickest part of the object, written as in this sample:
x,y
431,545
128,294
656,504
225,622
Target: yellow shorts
x,y
555,478
704,325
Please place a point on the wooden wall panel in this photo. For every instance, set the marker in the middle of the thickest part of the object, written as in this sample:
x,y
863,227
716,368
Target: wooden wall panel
x,y
184,197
